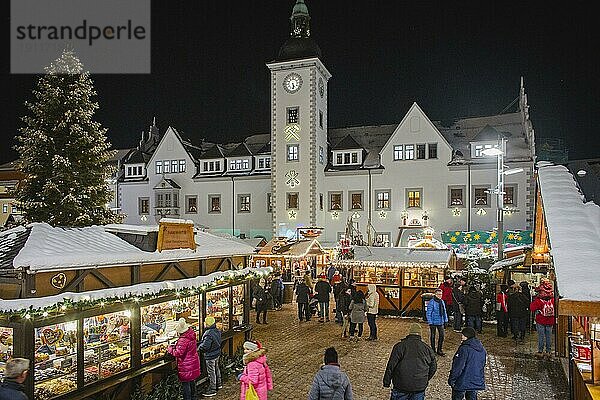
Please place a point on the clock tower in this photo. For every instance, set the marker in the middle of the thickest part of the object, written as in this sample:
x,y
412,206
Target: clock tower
x,y
298,129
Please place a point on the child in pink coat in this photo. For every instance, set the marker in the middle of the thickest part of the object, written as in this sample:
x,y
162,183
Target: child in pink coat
x,y
256,371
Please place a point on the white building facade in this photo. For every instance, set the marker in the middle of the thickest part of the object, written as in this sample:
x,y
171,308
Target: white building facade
x,y
304,174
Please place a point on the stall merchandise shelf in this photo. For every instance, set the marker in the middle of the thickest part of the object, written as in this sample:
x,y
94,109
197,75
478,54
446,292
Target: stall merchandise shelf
x,y
59,375
91,346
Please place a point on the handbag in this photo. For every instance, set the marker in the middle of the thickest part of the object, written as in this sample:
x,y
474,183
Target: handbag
x,y
251,392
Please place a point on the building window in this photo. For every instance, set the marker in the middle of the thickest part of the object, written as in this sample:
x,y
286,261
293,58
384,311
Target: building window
x,y
214,203
432,149
159,169
456,196
420,152
414,198
269,203
481,197
136,170
191,204
382,239
244,203
509,195
261,163
174,166
321,155
292,115
383,199
167,167
292,152
245,163
217,165
181,165
4,208
292,201
335,201
398,152
321,119
355,158
479,148
267,162
409,151
206,166
356,202
321,205
340,158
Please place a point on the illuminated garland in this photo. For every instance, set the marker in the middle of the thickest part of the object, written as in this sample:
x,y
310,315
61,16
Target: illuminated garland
x,y
69,301
487,237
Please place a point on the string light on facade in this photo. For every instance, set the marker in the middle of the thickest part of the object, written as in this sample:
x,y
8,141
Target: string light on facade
x,y
292,214
335,215
481,212
456,212
382,215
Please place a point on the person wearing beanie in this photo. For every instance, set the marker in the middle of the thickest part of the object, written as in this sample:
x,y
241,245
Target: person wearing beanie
x,y
330,382
188,362
543,309
256,371
210,345
467,374
411,365
15,373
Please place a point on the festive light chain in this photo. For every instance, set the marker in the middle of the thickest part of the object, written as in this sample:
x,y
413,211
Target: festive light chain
x,y
43,306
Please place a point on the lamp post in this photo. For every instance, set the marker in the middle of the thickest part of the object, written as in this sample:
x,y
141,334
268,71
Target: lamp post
x,y
499,152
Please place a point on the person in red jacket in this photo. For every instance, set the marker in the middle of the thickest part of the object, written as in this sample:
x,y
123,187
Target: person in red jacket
x,y
502,311
543,308
446,287
188,361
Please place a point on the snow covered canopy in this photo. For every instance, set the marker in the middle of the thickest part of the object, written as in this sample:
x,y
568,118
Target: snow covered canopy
x,y
574,235
50,248
401,255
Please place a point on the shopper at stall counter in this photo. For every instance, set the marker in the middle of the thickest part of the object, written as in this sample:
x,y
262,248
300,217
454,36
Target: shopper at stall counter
x,y
330,382
277,291
467,375
372,310
15,373
188,362
543,308
256,371
210,346
437,318
411,365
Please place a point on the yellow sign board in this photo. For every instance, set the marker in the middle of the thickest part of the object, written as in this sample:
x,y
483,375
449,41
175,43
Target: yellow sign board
x,y
175,235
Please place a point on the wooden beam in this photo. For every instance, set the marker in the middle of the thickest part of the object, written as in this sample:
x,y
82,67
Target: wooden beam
x,y
100,276
81,274
181,270
579,308
162,273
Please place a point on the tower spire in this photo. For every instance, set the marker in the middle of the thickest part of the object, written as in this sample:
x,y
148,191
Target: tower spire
x,y
300,20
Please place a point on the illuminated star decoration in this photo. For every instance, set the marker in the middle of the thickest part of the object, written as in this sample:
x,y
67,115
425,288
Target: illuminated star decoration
x,y
356,215
292,179
456,212
335,215
481,211
292,214
292,131
382,214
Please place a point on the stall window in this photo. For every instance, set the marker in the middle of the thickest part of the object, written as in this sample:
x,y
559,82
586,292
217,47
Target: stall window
x,y
237,309
55,371
423,277
106,345
6,348
217,305
158,322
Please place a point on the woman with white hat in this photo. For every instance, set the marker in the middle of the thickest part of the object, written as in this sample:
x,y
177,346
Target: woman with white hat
x,y
256,371
188,362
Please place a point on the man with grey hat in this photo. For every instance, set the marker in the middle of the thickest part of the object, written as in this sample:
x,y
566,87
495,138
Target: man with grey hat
x,y
411,365
15,374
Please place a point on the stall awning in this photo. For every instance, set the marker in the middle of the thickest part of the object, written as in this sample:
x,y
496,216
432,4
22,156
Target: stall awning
x,y
401,255
301,248
508,262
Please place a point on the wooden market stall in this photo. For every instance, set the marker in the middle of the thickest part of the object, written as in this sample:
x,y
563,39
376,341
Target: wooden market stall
x,y
401,274
518,266
570,246
94,308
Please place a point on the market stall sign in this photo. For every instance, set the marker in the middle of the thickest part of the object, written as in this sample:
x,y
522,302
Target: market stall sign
x,y
59,280
175,236
51,336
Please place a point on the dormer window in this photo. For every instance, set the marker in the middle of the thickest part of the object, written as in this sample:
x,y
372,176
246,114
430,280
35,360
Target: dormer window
x,y
347,157
211,166
477,149
134,171
239,164
264,163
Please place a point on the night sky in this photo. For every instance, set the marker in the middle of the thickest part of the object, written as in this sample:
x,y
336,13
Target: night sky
x,y
209,78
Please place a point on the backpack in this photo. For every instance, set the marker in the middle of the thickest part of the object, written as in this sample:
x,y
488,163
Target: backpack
x,y
547,308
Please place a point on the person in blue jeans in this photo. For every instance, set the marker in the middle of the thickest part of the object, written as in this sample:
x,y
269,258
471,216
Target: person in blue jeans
x,y
467,375
474,308
437,319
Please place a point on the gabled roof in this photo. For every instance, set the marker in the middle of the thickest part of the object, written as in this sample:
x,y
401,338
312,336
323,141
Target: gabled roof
x,y
487,133
347,143
167,183
266,149
213,152
240,151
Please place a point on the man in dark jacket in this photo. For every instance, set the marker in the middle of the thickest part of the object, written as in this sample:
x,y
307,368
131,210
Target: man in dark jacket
x,y
260,300
458,303
518,311
410,367
210,345
467,374
302,294
323,290
15,373
474,308
277,292
330,383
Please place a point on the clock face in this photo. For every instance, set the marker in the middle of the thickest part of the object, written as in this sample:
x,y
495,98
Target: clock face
x,y
321,87
292,83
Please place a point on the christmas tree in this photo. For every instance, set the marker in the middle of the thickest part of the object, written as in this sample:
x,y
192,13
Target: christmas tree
x,y
63,152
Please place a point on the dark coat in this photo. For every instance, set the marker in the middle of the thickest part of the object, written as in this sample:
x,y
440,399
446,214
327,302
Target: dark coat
x,y
468,365
11,390
260,295
473,303
302,292
276,287
458,297
210,344
323,289
344,300
411,365
518,305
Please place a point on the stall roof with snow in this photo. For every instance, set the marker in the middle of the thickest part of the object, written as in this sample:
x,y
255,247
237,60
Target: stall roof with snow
x,y
574,231
401,255
49,248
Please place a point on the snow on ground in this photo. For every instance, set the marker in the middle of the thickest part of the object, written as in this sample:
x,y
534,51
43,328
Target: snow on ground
x,y
574,233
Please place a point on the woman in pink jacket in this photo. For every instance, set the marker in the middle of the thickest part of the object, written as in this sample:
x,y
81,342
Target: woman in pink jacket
x,y
188,362
256,371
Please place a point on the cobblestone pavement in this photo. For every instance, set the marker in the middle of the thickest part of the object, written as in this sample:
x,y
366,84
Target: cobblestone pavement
x,y
295,352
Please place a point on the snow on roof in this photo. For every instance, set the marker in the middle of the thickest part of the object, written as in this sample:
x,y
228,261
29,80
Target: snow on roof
x,y
50,248
573,230
401,254
507,262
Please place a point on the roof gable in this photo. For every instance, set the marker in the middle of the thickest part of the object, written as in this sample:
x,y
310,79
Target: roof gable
x,y
212,153
241,150
347,143
167,183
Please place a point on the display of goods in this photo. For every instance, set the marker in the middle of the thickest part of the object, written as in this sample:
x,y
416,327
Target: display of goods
x,y
53,388
582,352
41,357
